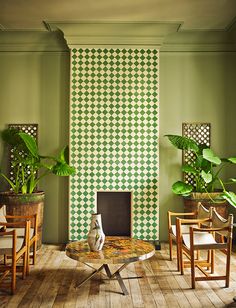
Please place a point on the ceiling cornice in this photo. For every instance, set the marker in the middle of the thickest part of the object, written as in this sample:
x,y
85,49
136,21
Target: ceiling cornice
x,y
113,33
166,36
32,41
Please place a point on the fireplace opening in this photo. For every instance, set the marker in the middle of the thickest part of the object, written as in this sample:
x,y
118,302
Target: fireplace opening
x,y
115,209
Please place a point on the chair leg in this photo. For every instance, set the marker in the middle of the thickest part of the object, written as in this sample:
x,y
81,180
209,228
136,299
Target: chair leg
x,y
192,269
25,264
212,253
34,252
13,276
170,247
178,259
181,262
228,265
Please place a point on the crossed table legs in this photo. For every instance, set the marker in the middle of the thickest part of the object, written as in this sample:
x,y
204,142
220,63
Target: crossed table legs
x,y
116,275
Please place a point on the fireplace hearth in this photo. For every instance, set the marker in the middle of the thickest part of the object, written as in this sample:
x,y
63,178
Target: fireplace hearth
x,y
115,208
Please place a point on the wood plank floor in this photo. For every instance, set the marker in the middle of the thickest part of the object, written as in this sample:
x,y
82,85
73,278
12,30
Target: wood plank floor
x,y
52,281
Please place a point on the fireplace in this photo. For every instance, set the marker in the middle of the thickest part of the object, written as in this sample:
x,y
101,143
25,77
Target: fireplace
x,y
115,208
114,138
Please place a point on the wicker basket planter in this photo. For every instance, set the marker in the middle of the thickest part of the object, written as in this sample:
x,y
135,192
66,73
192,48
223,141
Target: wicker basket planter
x,y
25,204
221,205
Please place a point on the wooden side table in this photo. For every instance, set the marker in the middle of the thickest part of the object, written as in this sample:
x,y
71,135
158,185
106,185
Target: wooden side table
x,y
116,250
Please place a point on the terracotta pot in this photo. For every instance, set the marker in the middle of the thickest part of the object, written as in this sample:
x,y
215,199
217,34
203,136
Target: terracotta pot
x,y
221,205
25,204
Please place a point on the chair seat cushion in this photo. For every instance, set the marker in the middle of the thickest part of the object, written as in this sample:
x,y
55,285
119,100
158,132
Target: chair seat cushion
x,y
184,228
20,232
6,243
3,214
199,238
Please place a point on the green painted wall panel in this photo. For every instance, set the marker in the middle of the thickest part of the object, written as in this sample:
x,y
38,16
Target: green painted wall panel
x,y
34,87
194,87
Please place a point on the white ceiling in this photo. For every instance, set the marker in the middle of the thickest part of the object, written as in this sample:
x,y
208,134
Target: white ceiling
x,y
192,14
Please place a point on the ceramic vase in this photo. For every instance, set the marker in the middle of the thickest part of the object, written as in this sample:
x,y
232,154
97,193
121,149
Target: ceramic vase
x,y
96,236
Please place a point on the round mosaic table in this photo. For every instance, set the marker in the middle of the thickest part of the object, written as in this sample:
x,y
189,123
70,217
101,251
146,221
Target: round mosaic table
x,y
116,250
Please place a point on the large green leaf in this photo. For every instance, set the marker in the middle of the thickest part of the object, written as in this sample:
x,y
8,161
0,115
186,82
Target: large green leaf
x,y
189,169
183,143
207,177
230,197
210,156
64,155
30,143
232,160
63,169
181,188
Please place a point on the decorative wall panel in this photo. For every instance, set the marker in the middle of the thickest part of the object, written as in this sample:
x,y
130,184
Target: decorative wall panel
x,y
30,129
201,133
114,134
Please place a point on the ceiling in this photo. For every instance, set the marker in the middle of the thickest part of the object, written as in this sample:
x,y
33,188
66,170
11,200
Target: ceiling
x,y
191,14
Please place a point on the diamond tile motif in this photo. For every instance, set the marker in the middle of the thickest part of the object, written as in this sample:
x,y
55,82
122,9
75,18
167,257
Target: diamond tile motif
x,y
114,134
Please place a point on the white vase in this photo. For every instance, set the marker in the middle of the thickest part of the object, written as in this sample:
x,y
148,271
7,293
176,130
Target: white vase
x,y
96,236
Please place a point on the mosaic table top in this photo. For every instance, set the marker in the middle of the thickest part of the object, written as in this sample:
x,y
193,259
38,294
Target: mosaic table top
x,y
116,250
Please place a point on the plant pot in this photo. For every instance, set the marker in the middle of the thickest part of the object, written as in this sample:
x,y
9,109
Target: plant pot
x,y
221,205
25,204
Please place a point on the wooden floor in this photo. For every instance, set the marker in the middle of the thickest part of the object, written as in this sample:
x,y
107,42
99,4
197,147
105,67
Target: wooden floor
x,y
51,284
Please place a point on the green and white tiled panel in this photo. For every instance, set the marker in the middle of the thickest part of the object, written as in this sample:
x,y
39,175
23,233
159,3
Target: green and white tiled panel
x,y
114,134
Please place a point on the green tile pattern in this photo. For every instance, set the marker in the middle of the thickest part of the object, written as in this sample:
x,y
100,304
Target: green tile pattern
x,y
114,134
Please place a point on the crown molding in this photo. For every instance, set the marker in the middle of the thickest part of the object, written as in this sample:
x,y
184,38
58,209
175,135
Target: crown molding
x,y
200,40
32,41
166,36
60,35
113,33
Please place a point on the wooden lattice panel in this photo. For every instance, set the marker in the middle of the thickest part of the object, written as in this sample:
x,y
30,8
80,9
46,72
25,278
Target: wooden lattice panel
x,y
201,133
30,129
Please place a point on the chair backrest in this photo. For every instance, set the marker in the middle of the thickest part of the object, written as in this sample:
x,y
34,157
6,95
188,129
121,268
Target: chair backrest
x,y
3,214
219,222
203,212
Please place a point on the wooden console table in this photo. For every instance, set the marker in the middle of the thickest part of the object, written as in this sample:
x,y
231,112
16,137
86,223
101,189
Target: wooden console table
x,y
116,250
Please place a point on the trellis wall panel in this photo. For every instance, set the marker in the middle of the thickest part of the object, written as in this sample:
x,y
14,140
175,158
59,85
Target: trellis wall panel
x,y
114,134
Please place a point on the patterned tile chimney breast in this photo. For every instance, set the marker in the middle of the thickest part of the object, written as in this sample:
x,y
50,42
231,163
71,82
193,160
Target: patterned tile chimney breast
x,y
114,134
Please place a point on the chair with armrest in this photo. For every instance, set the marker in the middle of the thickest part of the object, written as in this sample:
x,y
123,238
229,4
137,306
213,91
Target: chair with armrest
x,y
202,213
33,231
16,248
203,238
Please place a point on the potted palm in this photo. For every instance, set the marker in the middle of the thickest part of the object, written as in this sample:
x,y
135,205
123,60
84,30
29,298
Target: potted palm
x,y
28,168
207,185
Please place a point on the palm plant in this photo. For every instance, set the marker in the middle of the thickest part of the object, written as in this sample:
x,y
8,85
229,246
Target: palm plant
x,y
205,169
28,166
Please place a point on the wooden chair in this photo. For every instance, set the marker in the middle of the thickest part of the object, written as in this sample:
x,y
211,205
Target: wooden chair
x,y
33,232
204,239
15,247
202,213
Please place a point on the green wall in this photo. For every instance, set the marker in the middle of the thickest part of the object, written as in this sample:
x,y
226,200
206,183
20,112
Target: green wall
x,y
34,88
194,86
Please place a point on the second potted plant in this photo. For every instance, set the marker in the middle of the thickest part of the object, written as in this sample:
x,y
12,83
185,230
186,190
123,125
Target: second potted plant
x,y
206,167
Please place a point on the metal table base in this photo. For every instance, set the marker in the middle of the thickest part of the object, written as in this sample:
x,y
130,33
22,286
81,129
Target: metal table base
x,y
115,275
